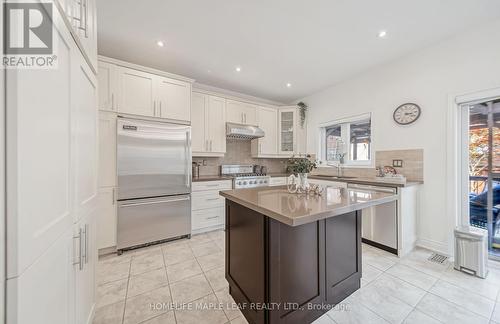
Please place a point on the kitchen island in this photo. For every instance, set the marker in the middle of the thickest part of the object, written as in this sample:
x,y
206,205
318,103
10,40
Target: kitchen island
x,y
290,258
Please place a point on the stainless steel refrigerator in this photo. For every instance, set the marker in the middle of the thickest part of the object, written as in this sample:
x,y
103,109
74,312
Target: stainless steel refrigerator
x,y
154,182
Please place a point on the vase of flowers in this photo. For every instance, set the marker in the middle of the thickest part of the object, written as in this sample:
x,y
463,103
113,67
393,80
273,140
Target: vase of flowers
x,y
301,166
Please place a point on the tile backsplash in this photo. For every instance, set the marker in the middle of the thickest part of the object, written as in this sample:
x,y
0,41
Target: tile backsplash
x,y
238,152
412,169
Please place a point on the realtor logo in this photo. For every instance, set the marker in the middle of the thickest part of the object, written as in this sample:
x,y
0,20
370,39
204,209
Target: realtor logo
x,y
28,35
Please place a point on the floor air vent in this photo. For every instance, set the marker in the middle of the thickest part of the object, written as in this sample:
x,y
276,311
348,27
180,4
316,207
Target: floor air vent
x,y
437,258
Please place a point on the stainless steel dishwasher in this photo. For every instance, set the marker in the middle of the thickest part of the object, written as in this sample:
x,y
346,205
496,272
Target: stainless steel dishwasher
x,y
379,226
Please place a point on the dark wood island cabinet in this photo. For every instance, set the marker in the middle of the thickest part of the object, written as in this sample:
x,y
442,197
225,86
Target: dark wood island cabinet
x,y
291,258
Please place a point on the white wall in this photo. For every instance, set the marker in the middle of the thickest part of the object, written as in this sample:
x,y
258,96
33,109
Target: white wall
x,y
466,63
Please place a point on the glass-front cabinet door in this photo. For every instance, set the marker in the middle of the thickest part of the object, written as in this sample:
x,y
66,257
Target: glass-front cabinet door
x,y
287,136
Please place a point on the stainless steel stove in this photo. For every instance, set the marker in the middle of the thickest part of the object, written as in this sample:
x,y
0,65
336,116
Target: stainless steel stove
x,y
243,176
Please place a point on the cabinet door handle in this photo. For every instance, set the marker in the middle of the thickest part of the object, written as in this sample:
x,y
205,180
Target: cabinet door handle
x,y
112,101
213,217
80,248
86,243
113,197
245,118
260,147
242,118
86,31
206,145
154,108
211,199
210,145
160,108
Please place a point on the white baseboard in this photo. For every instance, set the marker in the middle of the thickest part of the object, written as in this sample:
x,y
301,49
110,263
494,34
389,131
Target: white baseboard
x,y
435,246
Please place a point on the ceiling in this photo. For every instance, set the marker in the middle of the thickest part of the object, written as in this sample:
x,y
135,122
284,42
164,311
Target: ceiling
x,y
309,44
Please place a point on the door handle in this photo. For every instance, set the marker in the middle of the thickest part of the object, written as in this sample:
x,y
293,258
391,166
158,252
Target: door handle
x,y
155,202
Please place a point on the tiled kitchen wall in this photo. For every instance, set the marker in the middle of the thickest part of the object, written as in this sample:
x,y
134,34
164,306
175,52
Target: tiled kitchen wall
x,y
238,152
413,165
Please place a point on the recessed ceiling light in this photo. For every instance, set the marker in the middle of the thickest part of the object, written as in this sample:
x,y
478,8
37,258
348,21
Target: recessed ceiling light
x,y
382,34
238,69
288,85
160,43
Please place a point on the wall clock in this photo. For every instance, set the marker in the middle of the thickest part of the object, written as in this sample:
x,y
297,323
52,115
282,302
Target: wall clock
x,y
406,114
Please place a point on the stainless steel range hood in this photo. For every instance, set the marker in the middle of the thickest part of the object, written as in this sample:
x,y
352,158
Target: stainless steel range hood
x,y
243,132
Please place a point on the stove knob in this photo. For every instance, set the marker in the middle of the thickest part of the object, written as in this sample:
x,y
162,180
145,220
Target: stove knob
x,y
244,183
261,181
265,181
239,182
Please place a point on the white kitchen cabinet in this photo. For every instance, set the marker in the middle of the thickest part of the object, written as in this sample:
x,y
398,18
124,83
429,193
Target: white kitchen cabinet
x,y
140,93
39,154
287,134
107,149
199,102
82,16
106,76
291,135
85,269
85,141
174,99
208,125
216,124
136,94
106,218
52,167
46,288
241,112
207,208
267,146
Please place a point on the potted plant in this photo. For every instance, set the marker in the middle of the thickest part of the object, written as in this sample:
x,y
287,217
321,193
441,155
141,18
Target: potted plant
x,y
301,166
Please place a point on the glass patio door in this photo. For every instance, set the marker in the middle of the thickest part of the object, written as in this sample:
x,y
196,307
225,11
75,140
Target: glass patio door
x,y
482,124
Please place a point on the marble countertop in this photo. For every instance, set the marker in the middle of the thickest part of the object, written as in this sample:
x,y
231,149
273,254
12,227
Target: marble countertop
x,y
297,209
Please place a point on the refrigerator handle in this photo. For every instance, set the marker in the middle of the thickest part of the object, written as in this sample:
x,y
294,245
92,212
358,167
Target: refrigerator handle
x,y
188,160
163,201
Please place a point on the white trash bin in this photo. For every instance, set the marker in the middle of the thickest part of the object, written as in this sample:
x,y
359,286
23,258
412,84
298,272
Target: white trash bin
x,y
471,251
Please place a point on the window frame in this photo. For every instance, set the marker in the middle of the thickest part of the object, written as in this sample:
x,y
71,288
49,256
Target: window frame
x,y
345,135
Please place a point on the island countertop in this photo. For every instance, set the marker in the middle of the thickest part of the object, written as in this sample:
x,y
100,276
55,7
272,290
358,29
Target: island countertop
x,y
299,209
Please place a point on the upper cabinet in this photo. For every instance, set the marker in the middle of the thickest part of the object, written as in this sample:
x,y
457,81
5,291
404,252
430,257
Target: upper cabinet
x,y
106,74
241,112
83,20
267,146
173,98
132,91
208,125
136,92
287,134
291,134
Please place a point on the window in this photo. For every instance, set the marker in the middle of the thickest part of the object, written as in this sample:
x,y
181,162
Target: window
x,y
347,141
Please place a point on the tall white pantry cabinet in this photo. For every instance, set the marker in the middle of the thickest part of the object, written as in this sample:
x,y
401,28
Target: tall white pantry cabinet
x,y
52,183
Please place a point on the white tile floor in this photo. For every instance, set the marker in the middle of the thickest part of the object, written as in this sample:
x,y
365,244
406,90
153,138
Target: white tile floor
x,y
139,287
